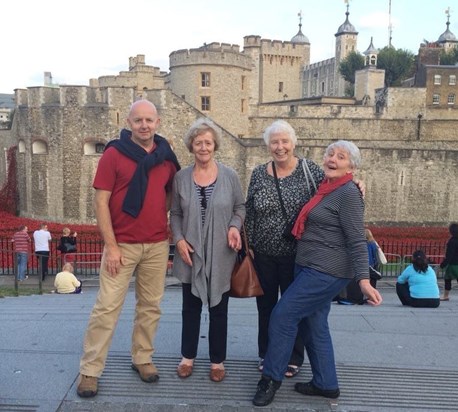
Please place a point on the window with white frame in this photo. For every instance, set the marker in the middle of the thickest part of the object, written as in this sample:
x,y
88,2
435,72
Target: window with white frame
x,y
436,98
205,103
205,78
437,79
451,98
452,80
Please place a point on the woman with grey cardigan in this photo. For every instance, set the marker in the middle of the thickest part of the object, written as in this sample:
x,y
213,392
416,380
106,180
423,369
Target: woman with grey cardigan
x,y
206,216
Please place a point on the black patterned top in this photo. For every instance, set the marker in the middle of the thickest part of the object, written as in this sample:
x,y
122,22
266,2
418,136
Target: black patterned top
x,y
264,218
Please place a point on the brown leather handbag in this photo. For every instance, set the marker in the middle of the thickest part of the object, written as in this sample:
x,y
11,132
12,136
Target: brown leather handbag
x,y
244,280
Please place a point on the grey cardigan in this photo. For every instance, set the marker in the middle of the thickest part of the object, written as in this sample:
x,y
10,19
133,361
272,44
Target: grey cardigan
x,y
212,260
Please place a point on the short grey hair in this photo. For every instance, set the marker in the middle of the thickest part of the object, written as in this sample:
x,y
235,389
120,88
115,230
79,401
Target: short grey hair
x,y
279,126
200,126
350,148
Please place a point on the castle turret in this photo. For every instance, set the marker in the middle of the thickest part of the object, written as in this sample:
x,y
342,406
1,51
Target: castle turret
x,y
346,39
447,39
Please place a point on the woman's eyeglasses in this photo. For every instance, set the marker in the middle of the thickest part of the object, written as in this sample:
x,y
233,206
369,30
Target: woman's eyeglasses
x,y
203,198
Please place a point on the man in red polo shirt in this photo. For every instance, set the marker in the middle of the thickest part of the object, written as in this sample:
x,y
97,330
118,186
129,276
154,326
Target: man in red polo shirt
x,y
133,183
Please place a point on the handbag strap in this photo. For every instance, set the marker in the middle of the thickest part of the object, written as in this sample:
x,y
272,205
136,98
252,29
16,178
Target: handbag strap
x,y
307,173
274,171
245,246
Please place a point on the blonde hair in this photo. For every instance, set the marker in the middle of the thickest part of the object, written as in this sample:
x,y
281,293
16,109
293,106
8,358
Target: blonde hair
x,y
199,127
68,267
65,231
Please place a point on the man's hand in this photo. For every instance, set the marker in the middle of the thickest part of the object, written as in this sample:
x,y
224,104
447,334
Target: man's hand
x,y
113,259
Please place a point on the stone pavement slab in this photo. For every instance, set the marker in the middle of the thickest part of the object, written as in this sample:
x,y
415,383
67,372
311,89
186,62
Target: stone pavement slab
x,y
388,358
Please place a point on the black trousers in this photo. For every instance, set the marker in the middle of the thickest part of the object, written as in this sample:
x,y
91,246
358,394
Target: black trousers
x,y
448,284
190,331
275,273
402,289
43,257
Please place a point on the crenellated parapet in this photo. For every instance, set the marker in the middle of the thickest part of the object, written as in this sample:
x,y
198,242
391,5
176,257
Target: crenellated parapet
x,y
222,54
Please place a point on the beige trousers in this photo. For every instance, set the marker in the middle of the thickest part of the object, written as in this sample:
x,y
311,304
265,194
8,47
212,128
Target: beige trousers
x,y
149,261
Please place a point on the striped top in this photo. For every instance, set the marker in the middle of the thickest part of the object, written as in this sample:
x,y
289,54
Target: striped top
x,y
204,193
334,241
21,241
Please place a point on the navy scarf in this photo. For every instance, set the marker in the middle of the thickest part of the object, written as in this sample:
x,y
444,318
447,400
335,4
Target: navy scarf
x,y
135,196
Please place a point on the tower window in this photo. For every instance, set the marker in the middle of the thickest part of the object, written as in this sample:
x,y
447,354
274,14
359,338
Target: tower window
x,y
280,86
205,103
205,78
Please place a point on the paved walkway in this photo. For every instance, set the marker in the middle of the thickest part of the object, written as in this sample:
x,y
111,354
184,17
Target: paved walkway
x,y
390,358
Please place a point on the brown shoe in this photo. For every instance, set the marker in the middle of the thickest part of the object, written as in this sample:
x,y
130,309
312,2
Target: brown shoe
x,y
184,371
147,372
87,387
217,375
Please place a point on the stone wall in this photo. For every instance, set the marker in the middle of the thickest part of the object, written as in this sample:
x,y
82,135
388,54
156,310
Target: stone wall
x,y
409,165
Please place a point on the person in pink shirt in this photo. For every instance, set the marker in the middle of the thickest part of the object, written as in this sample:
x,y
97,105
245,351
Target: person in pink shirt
x,y
21,241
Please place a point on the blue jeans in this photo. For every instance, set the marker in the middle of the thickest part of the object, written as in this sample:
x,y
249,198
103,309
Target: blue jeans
x,y
21,265
304,308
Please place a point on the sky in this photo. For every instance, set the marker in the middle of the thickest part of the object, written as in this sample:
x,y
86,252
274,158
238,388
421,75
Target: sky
x,y
80,40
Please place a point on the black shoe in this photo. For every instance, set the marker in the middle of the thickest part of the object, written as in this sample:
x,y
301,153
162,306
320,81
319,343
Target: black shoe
x,y
265,392
310,389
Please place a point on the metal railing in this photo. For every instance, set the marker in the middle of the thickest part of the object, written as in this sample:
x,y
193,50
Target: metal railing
x,y
88,256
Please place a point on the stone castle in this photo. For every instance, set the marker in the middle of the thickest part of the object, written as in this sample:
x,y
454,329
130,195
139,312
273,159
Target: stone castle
x,y
408,135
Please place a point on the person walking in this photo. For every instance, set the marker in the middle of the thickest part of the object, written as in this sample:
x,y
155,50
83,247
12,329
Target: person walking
x,y
21,241
450,262
41,240
132,193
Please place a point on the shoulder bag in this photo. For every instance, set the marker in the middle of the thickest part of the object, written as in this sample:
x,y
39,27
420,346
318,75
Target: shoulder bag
x,y
244,280
286,234
381,256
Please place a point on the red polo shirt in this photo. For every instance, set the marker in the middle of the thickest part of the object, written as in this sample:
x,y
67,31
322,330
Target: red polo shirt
x,y
114,173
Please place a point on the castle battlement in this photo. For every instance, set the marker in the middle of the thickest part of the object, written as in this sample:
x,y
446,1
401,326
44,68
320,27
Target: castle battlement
x,y
222,54
283,47
322,63
44,96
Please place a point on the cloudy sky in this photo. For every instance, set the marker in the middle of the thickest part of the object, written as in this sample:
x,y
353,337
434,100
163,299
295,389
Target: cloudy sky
x,y
84,39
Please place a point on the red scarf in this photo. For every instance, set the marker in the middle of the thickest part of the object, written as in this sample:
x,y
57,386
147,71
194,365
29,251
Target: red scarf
x,y
325,188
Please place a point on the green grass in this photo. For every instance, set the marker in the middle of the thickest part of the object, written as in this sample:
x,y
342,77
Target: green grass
x,y
8,291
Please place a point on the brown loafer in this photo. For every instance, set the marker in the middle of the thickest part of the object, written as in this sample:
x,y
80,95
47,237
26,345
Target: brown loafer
x,y
184,371
217,375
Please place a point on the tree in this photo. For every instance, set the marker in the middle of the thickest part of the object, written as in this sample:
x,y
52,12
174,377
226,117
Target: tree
x,y
449,58
398,65
348,66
